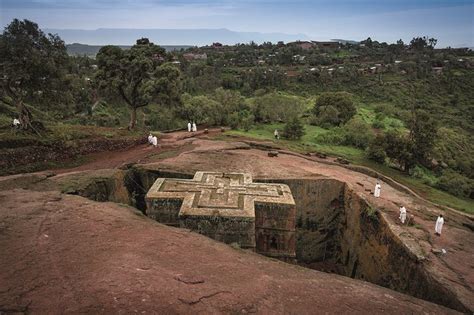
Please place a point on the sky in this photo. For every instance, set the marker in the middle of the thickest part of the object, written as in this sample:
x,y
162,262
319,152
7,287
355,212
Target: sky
x,y
450,21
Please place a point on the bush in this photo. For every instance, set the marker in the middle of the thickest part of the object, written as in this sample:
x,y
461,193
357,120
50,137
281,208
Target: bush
x,y
456,184
334,136
376,150
378,124
455,147
334,108
293,129
424,174
242,119
274,107
246,119
234,120
327,118
358,133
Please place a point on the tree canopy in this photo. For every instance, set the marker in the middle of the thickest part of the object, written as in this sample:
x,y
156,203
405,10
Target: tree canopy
x,y
33,65
138,75
334,108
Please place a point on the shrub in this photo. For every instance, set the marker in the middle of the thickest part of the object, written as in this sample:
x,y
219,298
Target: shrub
x,y
456,184
242,119
377,124
455,147
234,120
376,150
334,108
276,107
327,118
293,129
424,174
334,136
358,133
246,120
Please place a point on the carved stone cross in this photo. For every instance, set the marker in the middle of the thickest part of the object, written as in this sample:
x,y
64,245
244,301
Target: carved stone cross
x,y
228,207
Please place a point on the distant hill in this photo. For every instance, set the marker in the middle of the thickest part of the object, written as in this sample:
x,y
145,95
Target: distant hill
x,y
195,37
77,49
345,41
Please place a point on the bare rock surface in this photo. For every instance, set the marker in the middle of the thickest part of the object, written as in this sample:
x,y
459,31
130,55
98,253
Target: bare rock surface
x,y
29,276
67,254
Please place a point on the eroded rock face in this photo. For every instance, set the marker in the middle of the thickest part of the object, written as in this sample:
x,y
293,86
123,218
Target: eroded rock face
x,y
339,232
336,230
104,258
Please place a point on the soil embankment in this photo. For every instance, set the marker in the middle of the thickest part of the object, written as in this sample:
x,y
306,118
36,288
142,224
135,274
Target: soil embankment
x,y
30,157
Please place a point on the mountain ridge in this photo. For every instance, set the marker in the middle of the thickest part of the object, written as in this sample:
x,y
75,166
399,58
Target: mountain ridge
x,y
180,37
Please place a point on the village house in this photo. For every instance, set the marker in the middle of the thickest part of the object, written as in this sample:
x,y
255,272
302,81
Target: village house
x,y
305,45
195,56
326,45
437,70
299,58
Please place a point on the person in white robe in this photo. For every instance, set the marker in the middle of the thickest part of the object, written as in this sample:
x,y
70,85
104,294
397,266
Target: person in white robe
x,y
439,225
155,141
150,138
189,126
194,127
276,134
377,190
403,214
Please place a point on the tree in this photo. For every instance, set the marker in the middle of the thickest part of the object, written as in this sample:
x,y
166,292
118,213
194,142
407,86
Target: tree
x,y
138,75
293,129
32,63
376,149
358,133
227,102
274,107
399,149
422,43
334,108
423,132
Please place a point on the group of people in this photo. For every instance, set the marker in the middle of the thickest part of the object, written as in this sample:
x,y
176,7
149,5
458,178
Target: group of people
x,y
192,127
153,140
403,211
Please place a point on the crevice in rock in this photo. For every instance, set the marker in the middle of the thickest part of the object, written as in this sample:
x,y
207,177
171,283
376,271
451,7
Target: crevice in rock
x,y
337,232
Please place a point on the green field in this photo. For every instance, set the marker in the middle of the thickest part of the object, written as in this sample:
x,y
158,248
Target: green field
x,y
355,156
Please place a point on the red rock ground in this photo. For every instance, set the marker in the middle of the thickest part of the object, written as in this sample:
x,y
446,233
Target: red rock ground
x,y
66,254
94,259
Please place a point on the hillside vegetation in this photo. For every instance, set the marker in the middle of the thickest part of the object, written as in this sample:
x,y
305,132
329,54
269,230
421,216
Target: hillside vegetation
x,y
406,110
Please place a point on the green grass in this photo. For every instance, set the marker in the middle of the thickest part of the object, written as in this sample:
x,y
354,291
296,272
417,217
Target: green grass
x,y
367,114
66,132
420,187
308,143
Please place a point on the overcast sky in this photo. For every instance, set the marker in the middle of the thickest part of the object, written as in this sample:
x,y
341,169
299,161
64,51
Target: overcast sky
x,y
451,21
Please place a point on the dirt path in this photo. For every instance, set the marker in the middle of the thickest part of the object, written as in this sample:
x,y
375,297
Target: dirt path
x,y
67,254
139,154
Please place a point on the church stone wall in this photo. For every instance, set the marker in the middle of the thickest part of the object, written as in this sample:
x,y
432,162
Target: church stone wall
x,y
223,229
275,230
165,211
230,208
